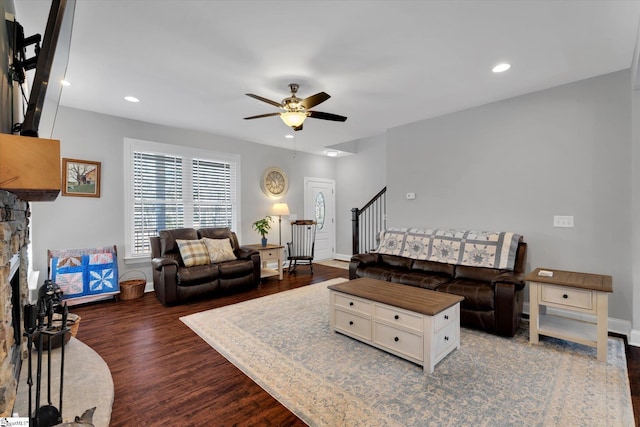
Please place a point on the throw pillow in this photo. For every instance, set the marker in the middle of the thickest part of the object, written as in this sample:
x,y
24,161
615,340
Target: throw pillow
x,y
193,252
219,249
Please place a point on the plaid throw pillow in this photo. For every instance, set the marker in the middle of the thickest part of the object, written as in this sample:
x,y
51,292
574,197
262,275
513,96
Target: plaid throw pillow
x,y
219,249
193,252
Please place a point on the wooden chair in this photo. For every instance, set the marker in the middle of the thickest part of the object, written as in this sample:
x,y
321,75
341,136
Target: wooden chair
x,y
303,238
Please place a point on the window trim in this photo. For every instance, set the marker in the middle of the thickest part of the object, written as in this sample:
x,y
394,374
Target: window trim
x,y
131,145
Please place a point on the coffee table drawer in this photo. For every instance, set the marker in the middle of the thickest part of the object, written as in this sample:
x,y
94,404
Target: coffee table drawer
x,y
353,324
445,339
398,317
352,303
398,340
444,317
270,255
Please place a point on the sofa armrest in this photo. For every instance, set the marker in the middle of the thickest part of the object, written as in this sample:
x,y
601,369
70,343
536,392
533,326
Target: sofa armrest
x,y
512,278
246,253
361,259
165,280
158,263
368,258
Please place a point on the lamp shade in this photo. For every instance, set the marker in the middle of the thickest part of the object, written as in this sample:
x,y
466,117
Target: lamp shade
x,y
280,209
293,118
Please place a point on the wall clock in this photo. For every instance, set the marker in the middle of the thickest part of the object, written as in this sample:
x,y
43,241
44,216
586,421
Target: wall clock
x,y
274,182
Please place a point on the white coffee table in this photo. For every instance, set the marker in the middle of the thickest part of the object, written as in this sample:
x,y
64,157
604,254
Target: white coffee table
x,y
417,324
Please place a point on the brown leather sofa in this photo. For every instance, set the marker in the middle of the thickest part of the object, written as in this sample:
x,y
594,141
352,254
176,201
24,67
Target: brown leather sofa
x,y
493,298
174,283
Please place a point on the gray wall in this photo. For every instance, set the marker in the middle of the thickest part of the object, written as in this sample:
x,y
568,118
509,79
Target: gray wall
x,y
513,165
358,179
79,222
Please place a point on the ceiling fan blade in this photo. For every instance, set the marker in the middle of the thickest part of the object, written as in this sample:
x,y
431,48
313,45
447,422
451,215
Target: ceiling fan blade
x,y
314,100
297,128
262,115
268,101
326,116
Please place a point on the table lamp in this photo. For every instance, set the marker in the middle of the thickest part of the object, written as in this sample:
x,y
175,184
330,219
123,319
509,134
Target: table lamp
x,y
280,209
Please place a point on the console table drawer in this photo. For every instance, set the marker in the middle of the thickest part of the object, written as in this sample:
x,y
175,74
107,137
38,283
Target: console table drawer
x,y
353,324
352,303
398,317
271,255
577,298
398,340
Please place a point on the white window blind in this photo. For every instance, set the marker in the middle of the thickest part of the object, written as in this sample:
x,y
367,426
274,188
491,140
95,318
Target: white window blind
x,y
169,190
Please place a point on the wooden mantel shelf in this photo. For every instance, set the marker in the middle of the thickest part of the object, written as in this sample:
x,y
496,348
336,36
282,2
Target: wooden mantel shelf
x,y
30,167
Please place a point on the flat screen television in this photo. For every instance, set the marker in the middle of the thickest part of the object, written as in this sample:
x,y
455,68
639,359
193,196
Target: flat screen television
x,y
51,67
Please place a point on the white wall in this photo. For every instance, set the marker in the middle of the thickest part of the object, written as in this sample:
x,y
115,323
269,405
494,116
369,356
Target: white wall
x,y
358,179
514,164
79,222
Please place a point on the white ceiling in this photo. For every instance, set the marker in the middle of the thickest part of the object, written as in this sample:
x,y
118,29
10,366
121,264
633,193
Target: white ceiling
x,y
385,63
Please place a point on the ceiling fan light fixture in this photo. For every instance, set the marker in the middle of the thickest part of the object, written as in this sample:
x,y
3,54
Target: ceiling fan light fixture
x,y
293,118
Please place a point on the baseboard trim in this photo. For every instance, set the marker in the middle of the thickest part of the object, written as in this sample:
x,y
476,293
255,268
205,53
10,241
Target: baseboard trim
x,y
342,257
617,326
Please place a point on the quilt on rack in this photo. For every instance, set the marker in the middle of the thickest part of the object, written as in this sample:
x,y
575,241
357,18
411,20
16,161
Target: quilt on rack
x,y
85,272
460,247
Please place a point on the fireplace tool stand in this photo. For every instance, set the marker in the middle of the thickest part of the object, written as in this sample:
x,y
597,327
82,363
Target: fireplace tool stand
x,y
40,322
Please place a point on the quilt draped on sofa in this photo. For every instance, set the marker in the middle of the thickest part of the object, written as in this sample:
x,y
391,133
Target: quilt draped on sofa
x,y
460,247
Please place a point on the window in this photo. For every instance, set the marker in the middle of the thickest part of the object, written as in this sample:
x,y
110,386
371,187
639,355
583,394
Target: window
x,y
172,187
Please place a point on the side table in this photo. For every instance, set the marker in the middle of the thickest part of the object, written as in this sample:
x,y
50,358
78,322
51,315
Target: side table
x,y
269,253
581,293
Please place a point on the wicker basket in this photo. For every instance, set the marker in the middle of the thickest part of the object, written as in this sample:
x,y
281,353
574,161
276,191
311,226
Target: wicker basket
x,y
133,288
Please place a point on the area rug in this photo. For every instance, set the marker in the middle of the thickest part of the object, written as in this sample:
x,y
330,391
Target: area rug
x,y
284,343
336,263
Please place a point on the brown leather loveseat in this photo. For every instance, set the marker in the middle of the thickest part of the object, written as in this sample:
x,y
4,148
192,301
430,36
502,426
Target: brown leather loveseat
x,y
493,297
174,282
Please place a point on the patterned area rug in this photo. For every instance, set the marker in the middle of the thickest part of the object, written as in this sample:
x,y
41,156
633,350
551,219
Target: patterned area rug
x,y
334,263
284,343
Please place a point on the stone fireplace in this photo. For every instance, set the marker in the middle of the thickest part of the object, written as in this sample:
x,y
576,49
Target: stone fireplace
x,y
14,240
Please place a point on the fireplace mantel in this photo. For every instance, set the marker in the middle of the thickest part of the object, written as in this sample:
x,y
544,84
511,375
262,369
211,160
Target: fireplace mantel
x,y
30,167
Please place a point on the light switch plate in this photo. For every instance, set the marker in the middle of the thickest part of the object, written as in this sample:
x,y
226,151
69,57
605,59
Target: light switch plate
x,y
563,221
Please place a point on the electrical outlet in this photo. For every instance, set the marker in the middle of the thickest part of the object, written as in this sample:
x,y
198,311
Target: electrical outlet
x,y
411,196
563,221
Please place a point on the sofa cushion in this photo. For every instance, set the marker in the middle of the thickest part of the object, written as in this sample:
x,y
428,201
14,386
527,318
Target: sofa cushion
x,y
197,275
477,295
219,249
433,267
375,272
420,280
237,268
477,273
193,252
396,261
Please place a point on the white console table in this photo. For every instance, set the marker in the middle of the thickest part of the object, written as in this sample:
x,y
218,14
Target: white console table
x,y
577,293
269,254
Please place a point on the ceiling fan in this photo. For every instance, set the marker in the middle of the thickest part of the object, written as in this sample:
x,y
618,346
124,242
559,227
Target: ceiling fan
x,y
296,110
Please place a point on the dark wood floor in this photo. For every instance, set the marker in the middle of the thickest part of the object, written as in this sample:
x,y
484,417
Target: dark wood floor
x,y
164,374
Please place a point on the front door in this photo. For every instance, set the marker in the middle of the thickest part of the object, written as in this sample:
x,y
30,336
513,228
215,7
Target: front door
x,y
319,205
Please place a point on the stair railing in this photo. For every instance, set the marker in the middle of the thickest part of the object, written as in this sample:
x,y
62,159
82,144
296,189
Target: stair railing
x,y
368,222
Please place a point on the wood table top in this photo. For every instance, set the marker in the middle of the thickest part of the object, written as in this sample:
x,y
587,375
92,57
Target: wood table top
x,y
408,297
594,282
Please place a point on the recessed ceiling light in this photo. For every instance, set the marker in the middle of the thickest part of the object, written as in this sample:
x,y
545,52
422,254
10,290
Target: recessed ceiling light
x,y
331,153
501,67
131,99
289,136
65,82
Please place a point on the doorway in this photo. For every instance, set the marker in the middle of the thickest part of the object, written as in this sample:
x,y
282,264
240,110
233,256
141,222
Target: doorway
x,y
319,205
